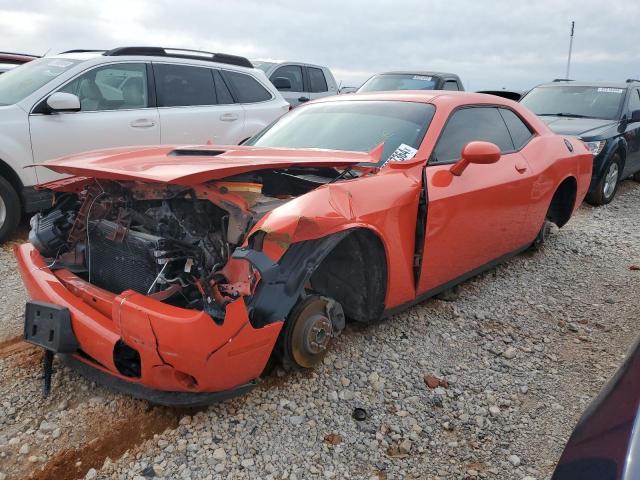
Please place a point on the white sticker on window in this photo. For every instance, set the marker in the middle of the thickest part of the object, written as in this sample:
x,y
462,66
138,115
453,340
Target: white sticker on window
x,y
402,153
610,90
422,77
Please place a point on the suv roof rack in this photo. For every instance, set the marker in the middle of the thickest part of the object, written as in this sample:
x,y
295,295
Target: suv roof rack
x,y
563,80
81,50
181,53
632,80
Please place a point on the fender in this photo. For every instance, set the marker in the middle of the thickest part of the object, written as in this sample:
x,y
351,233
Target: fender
x,y
599,162
344,206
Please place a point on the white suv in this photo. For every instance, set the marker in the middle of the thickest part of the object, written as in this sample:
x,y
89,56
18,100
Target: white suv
x,y
85,100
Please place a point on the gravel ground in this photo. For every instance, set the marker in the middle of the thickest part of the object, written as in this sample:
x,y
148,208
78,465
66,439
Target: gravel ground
x,y
487,386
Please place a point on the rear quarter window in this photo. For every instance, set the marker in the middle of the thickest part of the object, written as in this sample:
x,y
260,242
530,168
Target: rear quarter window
x,y
246,88
520,131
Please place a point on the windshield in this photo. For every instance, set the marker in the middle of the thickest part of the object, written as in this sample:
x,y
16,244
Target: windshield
x,y
350,125
18,83
398,81
575,101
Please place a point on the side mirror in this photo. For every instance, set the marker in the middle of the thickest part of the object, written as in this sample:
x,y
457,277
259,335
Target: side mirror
x,y
282,83
63,102
635,116
476,152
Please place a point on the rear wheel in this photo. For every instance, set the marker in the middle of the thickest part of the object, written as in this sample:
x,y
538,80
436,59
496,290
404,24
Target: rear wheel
x,y
309,329
636,176
10,209
608,185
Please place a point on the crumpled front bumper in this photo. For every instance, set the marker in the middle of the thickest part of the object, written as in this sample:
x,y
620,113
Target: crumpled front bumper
x,y
182,352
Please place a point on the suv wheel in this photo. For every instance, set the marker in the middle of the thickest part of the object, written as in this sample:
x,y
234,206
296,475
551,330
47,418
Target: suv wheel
x,y
9,209
608,184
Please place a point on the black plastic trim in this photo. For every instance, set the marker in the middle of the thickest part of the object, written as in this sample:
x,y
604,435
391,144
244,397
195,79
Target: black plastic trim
x,y
35,200
158,397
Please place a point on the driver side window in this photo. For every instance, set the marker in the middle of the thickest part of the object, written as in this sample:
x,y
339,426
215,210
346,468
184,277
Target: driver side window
x,y
294,74
634,100
469,124
111,87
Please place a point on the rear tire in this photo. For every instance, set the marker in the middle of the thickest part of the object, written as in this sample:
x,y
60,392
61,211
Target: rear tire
x,y
636,177
10,209
608,185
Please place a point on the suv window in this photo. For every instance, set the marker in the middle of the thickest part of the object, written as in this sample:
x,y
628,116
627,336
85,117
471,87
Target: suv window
x,y
520,131
246,88
184,85
451,85
19,83
111,87
467,125
293,73
222,91
634,100
317,80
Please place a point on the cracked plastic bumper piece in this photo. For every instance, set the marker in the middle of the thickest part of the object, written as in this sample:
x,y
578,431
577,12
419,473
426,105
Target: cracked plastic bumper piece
x,y
180,350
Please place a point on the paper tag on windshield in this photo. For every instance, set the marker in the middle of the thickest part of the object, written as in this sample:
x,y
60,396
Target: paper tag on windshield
x,y
402,153
422,77
610,90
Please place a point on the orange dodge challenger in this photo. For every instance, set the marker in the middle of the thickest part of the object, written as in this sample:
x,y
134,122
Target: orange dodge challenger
x,y
175,273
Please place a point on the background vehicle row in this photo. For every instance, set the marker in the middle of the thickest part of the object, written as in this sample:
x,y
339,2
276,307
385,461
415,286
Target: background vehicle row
x,y
87,100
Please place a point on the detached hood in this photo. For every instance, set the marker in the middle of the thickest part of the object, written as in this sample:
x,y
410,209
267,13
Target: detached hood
x,y
579,127
193,165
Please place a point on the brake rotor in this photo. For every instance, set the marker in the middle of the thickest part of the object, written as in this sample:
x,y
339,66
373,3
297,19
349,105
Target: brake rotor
x,y
311,330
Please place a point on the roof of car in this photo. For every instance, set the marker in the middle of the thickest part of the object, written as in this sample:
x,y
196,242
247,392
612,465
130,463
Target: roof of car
x,y
161,52
420,96
573,83
419,72
280,62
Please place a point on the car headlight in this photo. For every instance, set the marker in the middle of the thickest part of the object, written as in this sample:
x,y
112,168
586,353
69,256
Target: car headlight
x,y
596,147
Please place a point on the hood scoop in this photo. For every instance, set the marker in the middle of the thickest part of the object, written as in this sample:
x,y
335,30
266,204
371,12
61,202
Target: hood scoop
x,y
190,152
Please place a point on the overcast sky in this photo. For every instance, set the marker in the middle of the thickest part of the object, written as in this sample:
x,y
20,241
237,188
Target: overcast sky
x,y
513,44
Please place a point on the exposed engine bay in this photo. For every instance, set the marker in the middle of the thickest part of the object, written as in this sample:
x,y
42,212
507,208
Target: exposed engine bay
x,y
170,242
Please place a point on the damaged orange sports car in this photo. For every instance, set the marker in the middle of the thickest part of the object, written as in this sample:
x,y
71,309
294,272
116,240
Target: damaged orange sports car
x,y
175,273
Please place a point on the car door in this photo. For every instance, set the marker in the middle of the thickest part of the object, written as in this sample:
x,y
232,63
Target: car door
x,y
632,135
297,94
196,106
318,85
477,217
116,109
259,104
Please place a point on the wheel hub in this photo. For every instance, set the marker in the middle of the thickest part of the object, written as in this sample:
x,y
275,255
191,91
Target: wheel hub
x,y
3,212
610,180
310,331
318,333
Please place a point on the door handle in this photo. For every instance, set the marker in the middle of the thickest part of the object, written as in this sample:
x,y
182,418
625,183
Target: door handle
x,y
142,123
229,117
521,166
303,99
